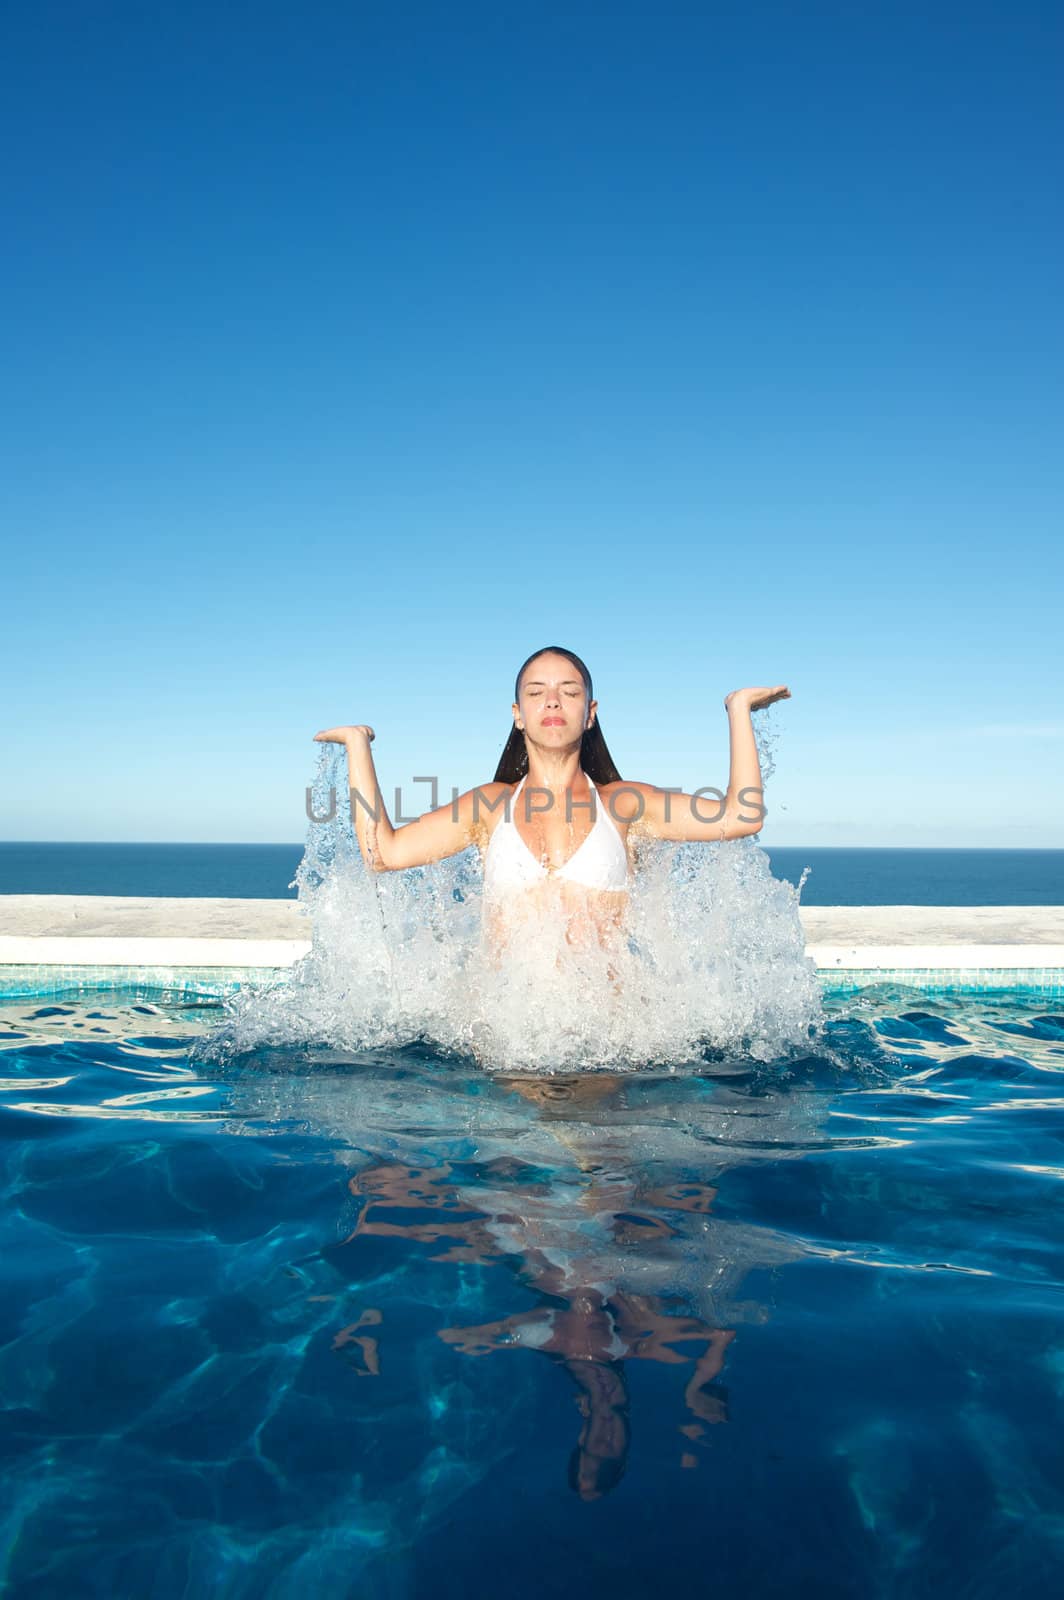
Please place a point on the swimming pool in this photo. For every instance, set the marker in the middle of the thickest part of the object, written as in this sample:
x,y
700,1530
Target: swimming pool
x,y
377,1323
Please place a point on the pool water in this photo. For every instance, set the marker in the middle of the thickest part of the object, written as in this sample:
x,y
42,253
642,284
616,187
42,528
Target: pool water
x,y
377,1323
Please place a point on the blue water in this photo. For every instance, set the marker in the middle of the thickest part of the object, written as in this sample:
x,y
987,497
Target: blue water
x,y
380,1325
195,871
842,877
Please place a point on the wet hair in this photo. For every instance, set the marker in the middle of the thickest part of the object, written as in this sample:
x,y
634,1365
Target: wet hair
x,y
607,1471
595,758
608,1474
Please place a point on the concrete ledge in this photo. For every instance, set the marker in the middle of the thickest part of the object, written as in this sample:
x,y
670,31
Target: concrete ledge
x,y
125,917
120,932
161,952
83,916
847,926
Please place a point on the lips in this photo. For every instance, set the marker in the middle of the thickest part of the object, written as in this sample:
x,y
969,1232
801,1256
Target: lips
x,y
553,722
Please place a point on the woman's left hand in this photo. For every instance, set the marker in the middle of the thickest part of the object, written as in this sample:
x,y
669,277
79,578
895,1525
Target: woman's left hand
x,y
755,699
346,734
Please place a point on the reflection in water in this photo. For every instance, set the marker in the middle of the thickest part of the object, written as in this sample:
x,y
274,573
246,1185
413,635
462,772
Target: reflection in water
x,y
589,1329
608,1230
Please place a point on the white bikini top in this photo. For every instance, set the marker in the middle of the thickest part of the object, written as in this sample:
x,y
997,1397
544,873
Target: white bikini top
x,y
601,862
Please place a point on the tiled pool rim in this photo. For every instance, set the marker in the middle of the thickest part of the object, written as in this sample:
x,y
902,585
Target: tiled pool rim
x,y
173,983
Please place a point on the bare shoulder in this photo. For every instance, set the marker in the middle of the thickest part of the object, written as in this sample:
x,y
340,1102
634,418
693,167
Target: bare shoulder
x,y
626,800
480,810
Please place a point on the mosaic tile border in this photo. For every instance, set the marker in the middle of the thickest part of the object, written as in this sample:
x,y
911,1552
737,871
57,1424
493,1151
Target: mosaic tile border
x,y
1048,981
46,981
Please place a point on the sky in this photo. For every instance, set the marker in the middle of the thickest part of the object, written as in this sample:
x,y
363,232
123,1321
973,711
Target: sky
x,y
353,352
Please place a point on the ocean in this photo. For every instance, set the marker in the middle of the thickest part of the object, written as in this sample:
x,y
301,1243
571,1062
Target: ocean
x,y
839,877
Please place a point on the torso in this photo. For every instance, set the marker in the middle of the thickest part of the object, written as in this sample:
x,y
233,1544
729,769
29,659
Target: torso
x,y
578,863
586,847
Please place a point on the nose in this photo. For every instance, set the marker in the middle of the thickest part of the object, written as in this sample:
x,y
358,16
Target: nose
x,y
553,697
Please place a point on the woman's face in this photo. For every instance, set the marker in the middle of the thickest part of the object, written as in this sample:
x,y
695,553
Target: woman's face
x,y
552,706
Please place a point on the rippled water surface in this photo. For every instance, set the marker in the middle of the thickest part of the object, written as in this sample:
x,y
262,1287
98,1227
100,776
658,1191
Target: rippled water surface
x,y
342,1322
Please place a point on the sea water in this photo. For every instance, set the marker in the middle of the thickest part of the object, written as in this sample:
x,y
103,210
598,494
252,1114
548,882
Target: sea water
x,y
833,876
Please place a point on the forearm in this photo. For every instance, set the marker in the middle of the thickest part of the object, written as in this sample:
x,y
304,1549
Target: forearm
x,y
745,797
372,824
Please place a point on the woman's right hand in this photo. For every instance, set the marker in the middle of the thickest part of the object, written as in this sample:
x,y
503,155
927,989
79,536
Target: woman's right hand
x,y
346,735
756,699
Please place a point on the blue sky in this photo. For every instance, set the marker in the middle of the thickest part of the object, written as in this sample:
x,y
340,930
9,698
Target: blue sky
x,y
353,352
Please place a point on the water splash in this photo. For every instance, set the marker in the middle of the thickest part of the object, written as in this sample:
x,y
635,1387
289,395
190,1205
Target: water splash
x,y
712,960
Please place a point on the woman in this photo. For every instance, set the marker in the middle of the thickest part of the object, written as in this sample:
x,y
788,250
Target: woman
x,y
555,826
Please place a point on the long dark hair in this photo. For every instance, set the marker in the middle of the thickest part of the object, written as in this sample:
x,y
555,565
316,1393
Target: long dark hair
x,y
595,757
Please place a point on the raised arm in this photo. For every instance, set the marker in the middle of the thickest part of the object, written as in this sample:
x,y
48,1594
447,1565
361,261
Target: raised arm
x,y
664,814
437,834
